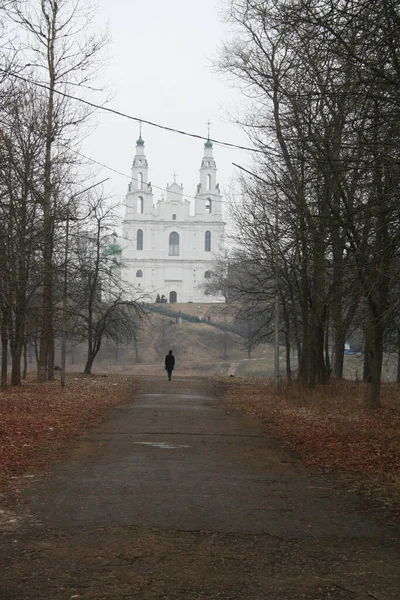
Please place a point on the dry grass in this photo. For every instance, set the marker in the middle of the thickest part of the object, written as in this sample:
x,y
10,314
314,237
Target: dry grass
x,y
219,312
328,426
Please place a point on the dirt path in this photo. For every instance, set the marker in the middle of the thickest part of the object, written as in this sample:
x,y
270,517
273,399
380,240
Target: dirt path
x,y
177,498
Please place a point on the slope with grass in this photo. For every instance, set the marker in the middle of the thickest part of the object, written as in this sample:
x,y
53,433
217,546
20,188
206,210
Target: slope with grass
x,y
199,347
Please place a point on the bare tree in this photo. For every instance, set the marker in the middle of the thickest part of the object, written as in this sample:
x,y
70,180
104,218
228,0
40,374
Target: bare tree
x,y
101,304
63,53
323,80
21,152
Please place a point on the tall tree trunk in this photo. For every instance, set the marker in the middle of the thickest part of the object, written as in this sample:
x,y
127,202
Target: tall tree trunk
x,y
304,356
51,359
327,356
16,364
286,321
398,356
311,357
288,363
319,306
320,357
18,341
338,350
368,334
88,366
90,358
89,355
4,354
135,342
341,327
25,355
36,351
337,281
378,295
47,331
249,339
295,322
375,361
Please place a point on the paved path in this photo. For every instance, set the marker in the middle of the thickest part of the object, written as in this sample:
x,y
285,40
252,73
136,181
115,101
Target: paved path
x,y
176,497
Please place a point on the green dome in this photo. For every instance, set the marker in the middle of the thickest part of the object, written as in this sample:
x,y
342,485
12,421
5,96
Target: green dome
x,y
140,142
112,249
208,144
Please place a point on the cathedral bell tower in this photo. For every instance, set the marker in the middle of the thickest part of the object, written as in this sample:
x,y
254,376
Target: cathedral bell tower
x,y
208,197
168,251
139,199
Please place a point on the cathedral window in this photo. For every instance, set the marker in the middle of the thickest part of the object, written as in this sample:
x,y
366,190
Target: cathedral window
x,y
207,275
207,241
140,205
174,217
140,181
208,182
139,273
139,239
174,244
208,206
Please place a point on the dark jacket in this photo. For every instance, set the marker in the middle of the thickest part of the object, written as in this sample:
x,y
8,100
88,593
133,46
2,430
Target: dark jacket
x,y
169,362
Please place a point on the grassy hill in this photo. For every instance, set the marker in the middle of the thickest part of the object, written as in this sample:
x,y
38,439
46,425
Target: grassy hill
x,y
201,347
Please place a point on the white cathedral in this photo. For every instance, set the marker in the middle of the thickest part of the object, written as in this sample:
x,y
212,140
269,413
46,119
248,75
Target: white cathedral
x,y
167,251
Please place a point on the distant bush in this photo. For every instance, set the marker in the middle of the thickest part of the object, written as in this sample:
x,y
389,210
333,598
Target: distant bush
x,y
169,312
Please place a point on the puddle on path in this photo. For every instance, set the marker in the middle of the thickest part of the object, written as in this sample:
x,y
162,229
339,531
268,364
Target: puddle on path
x,y
189,396
163,445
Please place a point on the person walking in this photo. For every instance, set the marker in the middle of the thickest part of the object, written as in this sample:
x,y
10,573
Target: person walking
x,y
169,364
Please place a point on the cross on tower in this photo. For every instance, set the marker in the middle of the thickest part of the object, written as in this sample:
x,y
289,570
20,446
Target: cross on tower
x,y
174,175
208,128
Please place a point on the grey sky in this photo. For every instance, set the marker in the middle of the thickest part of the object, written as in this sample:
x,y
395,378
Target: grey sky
x,y
160,69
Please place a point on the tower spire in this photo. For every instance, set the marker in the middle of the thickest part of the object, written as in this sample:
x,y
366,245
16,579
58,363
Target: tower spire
x,y
208,129
139,141
208,144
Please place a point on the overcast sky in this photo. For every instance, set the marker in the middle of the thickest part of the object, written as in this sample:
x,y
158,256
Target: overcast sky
x,y
160,69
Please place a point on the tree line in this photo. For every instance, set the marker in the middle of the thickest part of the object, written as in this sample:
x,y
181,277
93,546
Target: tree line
x,y
60,271
317,213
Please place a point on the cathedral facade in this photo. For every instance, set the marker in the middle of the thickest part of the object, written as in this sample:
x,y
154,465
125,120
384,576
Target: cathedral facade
x,y
169,247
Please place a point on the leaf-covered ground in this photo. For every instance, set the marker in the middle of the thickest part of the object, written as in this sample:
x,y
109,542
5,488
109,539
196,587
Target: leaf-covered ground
x,y
44,554
38,419
329,427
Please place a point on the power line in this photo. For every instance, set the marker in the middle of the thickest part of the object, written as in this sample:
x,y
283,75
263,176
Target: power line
x,y
136,119
266,150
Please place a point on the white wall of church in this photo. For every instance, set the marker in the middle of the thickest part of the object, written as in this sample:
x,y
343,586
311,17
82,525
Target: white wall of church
x,y
165,249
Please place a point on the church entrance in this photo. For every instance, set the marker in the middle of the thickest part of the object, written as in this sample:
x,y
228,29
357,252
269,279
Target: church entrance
x,y
173,297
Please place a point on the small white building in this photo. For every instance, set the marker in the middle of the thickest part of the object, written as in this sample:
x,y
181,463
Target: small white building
x,y
168,251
